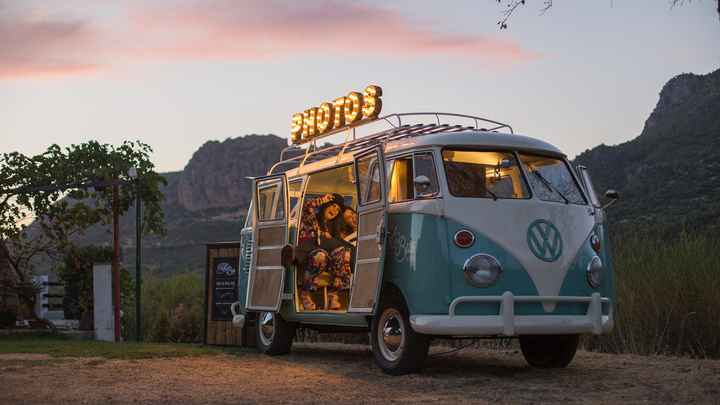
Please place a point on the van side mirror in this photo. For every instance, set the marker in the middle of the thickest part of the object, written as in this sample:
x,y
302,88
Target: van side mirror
x,y
613,195
422,184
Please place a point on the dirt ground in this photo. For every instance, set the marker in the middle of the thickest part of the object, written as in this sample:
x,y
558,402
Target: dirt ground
x,y
344,373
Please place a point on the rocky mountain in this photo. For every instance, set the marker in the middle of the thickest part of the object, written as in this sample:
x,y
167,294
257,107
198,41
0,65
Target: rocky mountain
x,y
215,177
670,173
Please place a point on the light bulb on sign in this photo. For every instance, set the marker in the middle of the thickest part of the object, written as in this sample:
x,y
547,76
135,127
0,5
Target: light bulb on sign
x,y
353,107
324,118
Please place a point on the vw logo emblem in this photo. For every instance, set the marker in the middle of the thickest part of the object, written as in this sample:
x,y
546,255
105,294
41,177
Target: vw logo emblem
x,y
544,240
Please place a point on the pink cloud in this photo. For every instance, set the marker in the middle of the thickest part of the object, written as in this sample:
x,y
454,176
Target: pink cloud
x,y
220,28
230,30
32,45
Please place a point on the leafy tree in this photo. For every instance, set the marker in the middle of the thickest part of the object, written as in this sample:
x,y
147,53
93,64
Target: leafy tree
x,y
47,199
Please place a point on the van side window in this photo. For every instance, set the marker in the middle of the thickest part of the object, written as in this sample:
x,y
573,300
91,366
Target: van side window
x,y
405,170
294,195
425,166
271,201
369,184
401,185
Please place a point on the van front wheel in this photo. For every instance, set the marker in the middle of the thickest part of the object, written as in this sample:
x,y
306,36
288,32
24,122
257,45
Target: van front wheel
x,y
397,348
549,351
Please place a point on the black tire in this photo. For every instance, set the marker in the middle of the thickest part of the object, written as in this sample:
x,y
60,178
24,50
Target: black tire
x,y
410,349
274,334
549,351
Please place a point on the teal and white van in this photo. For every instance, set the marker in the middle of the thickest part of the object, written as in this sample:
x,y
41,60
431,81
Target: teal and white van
x,y
462,232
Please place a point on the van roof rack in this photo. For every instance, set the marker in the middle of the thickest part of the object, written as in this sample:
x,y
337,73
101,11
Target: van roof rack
x,y
397,131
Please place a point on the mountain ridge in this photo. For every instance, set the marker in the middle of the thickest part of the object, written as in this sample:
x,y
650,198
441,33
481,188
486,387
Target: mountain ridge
x,y
670,173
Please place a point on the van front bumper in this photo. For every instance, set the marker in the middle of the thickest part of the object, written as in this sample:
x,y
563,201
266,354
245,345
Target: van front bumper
x,y
506,323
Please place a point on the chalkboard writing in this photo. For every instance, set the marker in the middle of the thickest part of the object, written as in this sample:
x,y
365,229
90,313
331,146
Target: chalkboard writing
x,y
225,287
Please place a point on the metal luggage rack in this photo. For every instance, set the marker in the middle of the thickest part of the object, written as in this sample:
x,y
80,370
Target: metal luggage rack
x,y
398,130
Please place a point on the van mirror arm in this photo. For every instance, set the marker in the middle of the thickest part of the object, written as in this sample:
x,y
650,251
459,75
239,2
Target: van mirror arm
x,y
613,195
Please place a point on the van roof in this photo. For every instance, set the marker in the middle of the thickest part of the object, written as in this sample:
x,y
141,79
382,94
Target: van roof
x,y
475,139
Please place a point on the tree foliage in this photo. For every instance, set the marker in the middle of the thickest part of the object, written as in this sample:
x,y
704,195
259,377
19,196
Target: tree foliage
x,y
48,198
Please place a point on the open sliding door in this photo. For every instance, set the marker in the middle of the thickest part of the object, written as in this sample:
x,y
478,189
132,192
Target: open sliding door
x,y
372,212
267,274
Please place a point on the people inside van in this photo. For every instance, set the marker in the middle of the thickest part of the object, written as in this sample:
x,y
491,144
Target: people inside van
x,y
348,229
323,253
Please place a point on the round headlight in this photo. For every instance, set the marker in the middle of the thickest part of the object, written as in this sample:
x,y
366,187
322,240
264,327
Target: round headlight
x,y
594,272
482,270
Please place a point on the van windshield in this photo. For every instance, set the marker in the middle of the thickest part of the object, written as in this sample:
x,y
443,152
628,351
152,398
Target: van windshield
x,y
551,180
484,174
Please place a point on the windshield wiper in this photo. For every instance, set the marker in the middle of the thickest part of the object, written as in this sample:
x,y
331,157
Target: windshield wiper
x,y
550,186
494,196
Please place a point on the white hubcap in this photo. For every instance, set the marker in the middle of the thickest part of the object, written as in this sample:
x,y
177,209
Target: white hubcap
x,y
391,334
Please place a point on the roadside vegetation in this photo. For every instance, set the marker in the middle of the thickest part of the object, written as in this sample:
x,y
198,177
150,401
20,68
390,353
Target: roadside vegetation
x,y
668,295
668,292
172,308
668,300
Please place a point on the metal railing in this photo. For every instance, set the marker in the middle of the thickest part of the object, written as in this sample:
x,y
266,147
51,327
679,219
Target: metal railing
x,y
397,131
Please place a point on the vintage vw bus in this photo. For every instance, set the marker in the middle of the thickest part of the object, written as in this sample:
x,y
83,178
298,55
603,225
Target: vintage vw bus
x,y
460,231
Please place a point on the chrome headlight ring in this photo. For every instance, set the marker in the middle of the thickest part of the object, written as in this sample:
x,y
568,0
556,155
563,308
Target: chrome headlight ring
x,y
594,272
482,270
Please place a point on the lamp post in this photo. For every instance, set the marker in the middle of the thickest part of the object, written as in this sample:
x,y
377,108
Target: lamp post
x,y
138,254
116,257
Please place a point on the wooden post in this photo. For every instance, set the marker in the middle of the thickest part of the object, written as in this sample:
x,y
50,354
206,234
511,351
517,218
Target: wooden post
x,y
138,262
116,257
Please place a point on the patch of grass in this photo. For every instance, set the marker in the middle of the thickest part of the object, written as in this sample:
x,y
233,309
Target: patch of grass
x,y
667,296
58,346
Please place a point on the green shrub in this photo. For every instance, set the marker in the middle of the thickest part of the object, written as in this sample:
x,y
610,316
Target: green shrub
x,y
172,308
668,293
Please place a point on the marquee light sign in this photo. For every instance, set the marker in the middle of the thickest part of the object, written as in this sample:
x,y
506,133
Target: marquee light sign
x,y
342,113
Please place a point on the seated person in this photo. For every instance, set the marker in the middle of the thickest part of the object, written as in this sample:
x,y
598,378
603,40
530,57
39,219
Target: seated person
x,y
349,225
323,255
342,256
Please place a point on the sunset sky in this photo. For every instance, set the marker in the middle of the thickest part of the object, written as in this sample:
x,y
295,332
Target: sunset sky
x,y
175,74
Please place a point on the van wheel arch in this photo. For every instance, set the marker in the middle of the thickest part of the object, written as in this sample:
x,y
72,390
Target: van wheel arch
x,y
390,289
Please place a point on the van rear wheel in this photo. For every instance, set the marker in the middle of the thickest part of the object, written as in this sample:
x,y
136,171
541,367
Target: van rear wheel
x,y
274,334
397,348
549,351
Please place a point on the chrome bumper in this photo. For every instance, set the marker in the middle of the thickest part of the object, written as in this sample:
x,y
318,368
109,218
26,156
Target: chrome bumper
x,y
506,323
